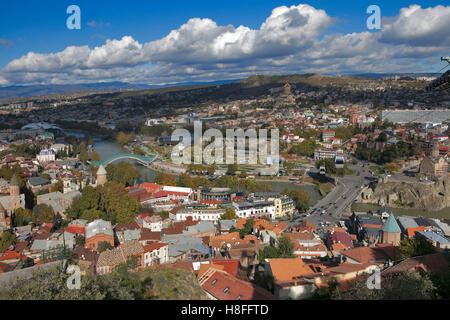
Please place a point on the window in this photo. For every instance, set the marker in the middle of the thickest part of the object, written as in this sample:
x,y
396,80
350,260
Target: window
x,y
226,289
214,282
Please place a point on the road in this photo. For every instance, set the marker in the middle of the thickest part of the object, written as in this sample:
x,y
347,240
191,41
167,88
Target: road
x,y
340,198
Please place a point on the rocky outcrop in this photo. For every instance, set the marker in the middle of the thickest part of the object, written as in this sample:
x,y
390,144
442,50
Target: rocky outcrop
x,y
431,196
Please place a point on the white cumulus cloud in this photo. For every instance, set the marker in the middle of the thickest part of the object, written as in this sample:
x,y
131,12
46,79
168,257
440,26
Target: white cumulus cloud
x,y
290,40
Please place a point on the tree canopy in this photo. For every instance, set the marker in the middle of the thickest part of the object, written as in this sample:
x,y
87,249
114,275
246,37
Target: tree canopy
x,y
122,172
109,202
414,247
43,213
230,214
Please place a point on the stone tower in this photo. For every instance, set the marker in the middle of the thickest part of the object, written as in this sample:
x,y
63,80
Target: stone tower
x,y
391,231
67,185
101,176
14,187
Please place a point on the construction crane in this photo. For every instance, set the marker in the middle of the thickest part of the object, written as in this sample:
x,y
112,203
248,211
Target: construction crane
x,y
443,80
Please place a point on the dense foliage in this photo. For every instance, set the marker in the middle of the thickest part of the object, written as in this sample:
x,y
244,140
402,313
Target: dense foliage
x,y
157,284
110,202
415,247
284,249
391,152
6,239
229,214
122,172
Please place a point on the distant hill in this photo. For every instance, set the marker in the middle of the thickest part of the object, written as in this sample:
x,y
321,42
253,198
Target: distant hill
x,y
193,92
45,90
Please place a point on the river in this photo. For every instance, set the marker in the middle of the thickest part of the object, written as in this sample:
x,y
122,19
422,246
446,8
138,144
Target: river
x,y
107,148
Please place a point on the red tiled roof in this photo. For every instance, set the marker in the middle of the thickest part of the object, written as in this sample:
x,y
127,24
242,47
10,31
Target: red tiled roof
x,y
76,229
154,246
150,235
10,255
229,266
298,235
288,269
371,254
430,263
411,232
341,237
151,187
223,286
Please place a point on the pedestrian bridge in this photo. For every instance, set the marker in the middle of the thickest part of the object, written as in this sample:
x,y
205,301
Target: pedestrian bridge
x,y
144,160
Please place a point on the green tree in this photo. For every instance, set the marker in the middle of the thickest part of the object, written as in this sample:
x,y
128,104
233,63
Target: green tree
x,y
123,138
132,262
123,172
165,179
95,156
414,247
6,239
110,202
43,213
21,217
226,182
139,151
403,286
84,156
285,247
185,180
58,186
230,214
301,199
269,252
248,228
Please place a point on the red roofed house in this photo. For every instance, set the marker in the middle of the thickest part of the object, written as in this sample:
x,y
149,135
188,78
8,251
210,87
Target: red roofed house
x,y
156,252
287,274
76,230
339,237
219,285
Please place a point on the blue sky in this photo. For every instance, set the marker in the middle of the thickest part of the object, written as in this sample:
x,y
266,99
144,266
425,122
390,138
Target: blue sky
x,y
40,27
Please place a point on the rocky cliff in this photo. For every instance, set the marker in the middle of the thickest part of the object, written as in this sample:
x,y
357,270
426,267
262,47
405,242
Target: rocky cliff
x,y
431,196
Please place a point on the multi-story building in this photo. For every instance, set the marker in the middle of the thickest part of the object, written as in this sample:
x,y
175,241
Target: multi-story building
x,y
153,223
255,209
215,194
155,253
199,213
320,154
98,231
46,156
283,204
